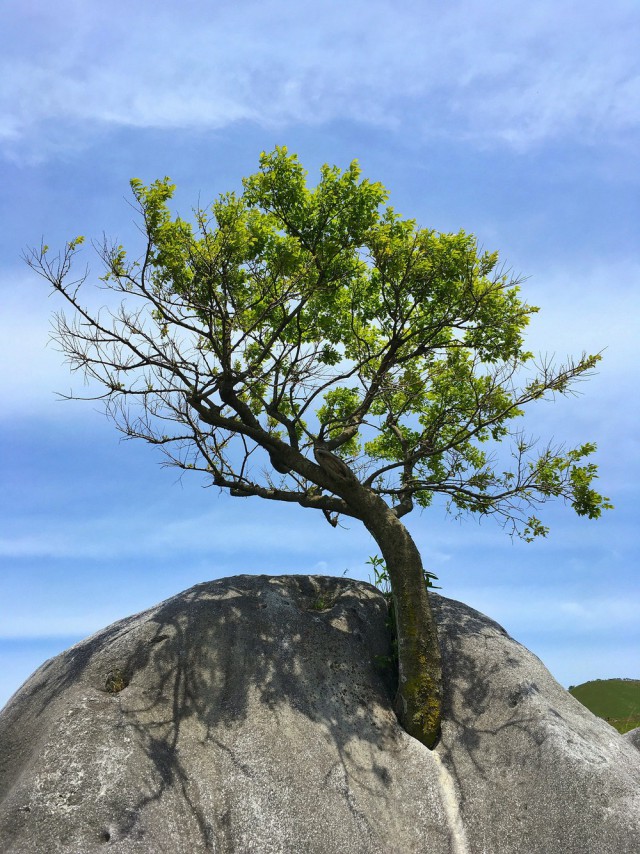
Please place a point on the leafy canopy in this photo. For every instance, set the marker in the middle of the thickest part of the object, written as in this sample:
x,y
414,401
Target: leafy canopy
x,y
287,319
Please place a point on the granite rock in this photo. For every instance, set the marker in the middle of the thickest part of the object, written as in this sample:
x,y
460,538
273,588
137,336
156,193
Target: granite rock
x,y
255,714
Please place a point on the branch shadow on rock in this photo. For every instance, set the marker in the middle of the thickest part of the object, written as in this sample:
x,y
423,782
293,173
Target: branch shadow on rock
x,y
195,668
485,694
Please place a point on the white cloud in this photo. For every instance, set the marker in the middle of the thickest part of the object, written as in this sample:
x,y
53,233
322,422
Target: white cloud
x,y
223,531
27,382
37,372
510,72
35,367
588,307
545,611
592,308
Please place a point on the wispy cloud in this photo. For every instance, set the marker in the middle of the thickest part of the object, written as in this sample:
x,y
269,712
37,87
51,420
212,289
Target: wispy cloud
x,y
221,532
513,73
577,636
588,306
555,611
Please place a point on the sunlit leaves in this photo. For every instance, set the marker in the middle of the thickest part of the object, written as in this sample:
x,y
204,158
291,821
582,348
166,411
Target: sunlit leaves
x,y
569,476
317,316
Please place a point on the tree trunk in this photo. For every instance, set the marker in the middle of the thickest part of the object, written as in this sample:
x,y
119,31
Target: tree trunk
x,y
419,697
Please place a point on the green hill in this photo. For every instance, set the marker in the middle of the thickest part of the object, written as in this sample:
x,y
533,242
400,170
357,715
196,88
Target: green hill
x,y
615,700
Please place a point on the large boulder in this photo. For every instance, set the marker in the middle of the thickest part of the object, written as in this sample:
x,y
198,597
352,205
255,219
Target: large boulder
x,y
254,714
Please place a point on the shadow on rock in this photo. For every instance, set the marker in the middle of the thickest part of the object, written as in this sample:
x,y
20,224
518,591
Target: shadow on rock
x,y
251,713
255,714
532,769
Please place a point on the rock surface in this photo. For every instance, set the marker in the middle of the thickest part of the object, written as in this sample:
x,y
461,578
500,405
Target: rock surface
x,y
633,736
254,714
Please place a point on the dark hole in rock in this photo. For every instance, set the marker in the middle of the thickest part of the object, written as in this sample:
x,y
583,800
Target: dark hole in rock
x,y
116,681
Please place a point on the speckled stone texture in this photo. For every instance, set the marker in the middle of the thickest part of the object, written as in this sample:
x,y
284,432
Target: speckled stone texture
x,y
633,736
254,714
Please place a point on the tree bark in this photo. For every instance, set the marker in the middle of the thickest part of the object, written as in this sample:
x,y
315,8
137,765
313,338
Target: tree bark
x,y
419,697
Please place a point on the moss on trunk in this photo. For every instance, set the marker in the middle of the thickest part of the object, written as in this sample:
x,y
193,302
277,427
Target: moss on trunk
x,y
419,697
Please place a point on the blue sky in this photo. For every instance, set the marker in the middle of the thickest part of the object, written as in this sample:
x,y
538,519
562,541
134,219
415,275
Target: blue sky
x,y
516,121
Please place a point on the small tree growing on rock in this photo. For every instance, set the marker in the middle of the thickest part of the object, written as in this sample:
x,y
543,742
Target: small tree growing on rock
x,y
309,345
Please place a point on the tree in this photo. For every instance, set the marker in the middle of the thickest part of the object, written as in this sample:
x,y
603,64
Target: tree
x,y
309,345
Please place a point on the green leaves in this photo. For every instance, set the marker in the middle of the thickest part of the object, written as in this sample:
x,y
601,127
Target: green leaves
x,y
72,244
567,476
317,316
332,217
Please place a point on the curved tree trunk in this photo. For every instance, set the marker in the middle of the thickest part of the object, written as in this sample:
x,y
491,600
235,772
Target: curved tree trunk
x,y
419,697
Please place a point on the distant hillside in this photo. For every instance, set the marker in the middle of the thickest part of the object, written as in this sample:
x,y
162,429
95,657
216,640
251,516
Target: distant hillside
x,y
615,700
